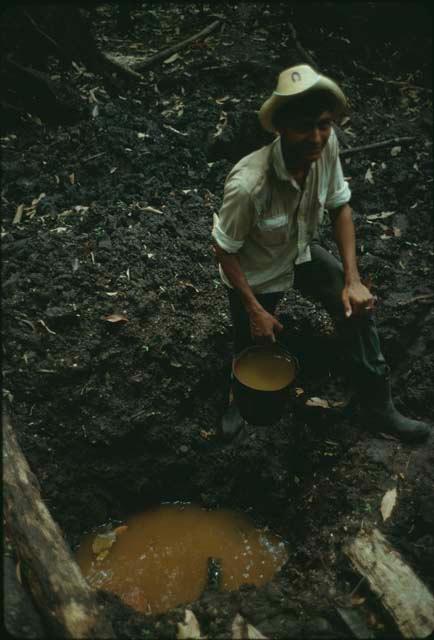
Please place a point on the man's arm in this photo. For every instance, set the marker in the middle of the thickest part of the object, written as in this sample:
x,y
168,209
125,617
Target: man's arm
x,y
262,323
356,297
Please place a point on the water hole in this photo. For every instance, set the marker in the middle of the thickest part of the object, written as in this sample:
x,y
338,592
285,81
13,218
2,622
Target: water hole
x,y
159,558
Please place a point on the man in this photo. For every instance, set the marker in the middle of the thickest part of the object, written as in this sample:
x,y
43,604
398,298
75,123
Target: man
x,y
266,241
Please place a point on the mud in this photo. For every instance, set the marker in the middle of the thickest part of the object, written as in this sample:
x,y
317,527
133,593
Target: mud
x,y
117,416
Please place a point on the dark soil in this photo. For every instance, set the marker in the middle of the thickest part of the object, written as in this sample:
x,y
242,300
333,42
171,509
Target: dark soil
x,y
114,417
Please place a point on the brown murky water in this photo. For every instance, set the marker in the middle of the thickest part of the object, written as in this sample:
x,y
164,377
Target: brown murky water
x,y
264,369
159,559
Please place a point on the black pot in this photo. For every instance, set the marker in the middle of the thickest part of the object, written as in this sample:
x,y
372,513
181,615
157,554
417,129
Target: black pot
x,y
260,407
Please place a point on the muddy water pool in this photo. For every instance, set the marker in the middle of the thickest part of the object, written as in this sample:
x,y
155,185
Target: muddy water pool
x,y
159,558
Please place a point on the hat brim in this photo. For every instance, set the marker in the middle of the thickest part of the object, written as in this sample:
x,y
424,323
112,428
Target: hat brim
x,y
276,100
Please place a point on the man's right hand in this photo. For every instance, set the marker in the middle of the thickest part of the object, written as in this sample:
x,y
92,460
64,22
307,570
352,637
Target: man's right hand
x,y
263,325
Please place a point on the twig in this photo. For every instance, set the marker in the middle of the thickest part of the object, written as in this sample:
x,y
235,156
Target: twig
x,y
306,55
18,214
425,296
406,84
301,50
376,145
43,34
97,155
162,55
362,579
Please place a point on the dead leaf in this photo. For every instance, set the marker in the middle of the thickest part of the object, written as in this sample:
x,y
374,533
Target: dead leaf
x,y
18,214
238,627
380,216
222,100
391,232
185,283
103,542
388,503
253,633
241,630
356,601
190,628
59,230
299,392
172,58
47,328
395,151
72,178
152,209
180,133
30,211
95,111
206,434
116,317
369,176
318,402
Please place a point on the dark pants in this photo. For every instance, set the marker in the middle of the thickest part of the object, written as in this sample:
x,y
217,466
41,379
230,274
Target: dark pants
x,y
323,280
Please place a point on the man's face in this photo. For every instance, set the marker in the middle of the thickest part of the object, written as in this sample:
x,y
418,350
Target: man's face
x,y
306,136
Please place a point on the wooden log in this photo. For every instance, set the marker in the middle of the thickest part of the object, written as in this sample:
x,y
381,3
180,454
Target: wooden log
x,y
60,593
402,593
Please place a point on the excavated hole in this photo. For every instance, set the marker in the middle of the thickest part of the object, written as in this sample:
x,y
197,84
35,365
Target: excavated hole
x,y
170,554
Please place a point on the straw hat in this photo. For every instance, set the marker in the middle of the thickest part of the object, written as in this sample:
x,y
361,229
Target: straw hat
x,y
293,82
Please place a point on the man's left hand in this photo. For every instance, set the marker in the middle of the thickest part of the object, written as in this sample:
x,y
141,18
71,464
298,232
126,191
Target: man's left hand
x,y
357,299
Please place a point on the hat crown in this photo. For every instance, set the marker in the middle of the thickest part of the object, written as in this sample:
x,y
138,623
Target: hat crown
x,y
295,80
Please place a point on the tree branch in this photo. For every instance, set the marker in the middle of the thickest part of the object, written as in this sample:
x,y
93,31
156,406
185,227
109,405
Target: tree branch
x,y
162,55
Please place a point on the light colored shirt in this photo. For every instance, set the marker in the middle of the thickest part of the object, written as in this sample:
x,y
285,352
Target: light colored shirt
x,y
269,220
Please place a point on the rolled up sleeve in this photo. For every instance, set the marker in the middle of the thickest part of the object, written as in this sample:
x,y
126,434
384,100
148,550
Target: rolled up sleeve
x,y
235,218
338,192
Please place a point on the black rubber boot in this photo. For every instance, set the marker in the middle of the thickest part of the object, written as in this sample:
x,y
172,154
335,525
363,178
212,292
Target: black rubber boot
x,y
232,422
380,414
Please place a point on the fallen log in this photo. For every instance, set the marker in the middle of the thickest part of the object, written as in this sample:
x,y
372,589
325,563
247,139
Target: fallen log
x,y
162,55
60,593
401,592
376,145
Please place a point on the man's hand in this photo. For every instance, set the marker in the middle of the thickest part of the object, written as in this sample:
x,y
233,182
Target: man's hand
x,y
263,325
357,299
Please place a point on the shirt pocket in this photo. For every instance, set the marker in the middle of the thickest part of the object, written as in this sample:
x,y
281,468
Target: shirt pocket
x,y
272,232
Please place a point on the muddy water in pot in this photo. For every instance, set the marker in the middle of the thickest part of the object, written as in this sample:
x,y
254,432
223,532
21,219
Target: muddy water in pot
x,y
264,370
160,558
